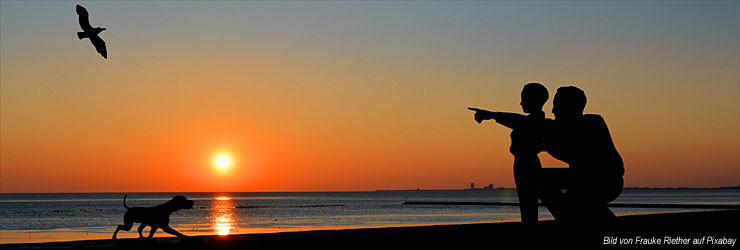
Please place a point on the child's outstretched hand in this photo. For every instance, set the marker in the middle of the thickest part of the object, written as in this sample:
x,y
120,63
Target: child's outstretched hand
x,y
481,114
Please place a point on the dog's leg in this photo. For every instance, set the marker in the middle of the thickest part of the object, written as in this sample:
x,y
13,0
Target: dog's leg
x,y
125,227
116,232
171,231
141,228
152,231
128,223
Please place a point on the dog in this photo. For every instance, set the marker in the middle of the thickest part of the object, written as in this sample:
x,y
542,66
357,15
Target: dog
x,y
157,217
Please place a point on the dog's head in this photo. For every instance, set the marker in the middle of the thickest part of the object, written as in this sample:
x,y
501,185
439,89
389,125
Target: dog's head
x,y
180,202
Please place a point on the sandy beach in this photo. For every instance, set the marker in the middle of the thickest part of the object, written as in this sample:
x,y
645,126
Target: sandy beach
x,y
709,229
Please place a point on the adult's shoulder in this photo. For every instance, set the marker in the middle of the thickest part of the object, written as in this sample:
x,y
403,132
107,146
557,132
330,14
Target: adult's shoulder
x,y
593,118
594,121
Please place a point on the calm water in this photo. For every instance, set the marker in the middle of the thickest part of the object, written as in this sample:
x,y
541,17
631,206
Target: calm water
x,y
61,217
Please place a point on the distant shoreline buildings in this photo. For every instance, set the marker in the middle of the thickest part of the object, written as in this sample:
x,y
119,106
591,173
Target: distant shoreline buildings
x,y
472,187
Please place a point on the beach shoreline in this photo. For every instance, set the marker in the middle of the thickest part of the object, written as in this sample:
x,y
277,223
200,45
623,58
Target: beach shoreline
x,y
683,225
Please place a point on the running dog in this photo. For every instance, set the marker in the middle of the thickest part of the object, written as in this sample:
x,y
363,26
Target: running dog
x,y
156,217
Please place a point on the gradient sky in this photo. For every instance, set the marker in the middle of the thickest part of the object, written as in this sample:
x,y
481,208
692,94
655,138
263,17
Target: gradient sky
x,y
329,96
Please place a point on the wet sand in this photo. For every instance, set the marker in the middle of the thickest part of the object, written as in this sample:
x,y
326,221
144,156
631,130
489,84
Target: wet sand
x,y
677,227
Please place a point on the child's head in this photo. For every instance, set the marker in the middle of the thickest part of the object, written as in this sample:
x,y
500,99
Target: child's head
x,y
534,96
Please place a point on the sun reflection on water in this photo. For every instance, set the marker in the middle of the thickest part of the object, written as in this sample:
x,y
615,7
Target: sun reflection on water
x,y
223,216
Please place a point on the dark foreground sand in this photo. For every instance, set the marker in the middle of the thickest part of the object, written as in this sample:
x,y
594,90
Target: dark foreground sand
x,y
720,225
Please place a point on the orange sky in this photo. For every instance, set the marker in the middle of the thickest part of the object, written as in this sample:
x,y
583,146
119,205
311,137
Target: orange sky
x,y
354,96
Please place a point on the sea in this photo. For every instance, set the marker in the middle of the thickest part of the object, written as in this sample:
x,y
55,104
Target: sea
x,y
50,217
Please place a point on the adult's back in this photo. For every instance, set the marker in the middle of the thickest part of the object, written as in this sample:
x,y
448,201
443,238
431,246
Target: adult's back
x,y
586,145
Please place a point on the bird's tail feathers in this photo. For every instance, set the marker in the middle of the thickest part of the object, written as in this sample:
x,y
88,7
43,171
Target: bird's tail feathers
x,y
124,202
81,35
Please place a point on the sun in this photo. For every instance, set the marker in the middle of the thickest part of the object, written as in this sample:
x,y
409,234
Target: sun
x,y
223,161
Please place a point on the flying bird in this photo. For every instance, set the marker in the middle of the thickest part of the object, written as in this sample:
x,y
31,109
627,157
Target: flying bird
x,y
90,32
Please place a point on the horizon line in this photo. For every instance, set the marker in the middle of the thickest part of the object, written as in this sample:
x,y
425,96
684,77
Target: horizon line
x,y
342,191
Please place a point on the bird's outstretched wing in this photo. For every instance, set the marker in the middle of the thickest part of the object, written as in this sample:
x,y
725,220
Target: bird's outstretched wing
x,y
99,45
84,18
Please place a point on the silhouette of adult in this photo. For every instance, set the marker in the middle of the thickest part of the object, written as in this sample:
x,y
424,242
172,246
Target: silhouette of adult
x,y
595,174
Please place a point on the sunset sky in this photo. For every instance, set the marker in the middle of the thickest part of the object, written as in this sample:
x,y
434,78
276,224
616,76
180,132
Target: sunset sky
x,y
333,96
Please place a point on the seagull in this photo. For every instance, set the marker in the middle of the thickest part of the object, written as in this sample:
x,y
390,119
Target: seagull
x,y
90,32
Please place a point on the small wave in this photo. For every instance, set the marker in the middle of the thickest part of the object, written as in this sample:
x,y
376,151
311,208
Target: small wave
x,y
337,205
257,206
298,206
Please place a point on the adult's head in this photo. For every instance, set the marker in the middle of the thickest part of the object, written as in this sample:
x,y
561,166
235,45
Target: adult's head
x,y
568,103
534,96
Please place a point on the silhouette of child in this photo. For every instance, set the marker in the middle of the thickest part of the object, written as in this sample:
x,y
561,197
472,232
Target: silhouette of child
x,y
526,142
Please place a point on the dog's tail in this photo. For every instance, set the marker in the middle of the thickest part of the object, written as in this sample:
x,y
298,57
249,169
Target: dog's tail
x,y
124,202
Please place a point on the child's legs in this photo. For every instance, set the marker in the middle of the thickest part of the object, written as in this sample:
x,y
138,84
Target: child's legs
x,y
526,177
552,180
